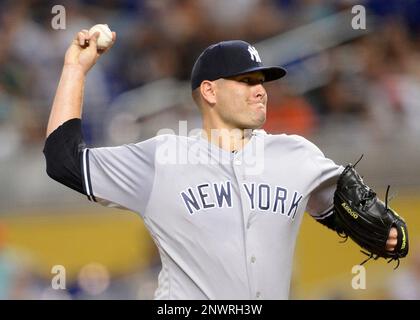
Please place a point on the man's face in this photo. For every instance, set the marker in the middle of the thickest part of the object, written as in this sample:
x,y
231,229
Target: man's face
x,y
242,100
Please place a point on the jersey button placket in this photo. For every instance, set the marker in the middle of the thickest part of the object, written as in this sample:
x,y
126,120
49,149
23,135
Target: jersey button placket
x,y
239,174
253,260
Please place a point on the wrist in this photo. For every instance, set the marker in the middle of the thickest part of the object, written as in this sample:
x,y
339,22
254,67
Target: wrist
x,y
76,70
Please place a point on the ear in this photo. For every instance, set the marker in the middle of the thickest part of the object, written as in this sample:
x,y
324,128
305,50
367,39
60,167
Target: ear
x,y
208,92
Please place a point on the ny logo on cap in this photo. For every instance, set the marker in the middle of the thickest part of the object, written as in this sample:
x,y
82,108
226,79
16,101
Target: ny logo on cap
x,y
254,54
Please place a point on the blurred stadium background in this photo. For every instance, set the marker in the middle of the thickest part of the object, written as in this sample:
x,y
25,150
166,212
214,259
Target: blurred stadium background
x,y
351,92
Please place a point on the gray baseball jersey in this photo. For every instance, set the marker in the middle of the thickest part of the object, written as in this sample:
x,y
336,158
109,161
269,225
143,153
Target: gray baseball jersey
x,y
225,223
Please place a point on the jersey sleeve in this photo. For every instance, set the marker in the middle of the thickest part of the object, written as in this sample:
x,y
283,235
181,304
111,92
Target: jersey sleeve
x,y
120,176
321,200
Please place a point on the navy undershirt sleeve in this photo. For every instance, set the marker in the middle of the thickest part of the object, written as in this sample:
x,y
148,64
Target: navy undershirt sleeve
x,y
63,154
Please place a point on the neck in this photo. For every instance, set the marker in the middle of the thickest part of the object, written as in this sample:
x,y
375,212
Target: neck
x,y
226,137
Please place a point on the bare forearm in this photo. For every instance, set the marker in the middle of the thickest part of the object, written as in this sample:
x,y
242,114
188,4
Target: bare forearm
x,y
68,98
79,59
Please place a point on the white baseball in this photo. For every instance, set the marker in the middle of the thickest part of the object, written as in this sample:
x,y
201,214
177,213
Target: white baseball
x,y
105,35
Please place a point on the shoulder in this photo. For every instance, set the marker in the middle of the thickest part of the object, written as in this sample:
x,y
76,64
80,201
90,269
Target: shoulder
x,y
172,139
166,142
289,141
160,139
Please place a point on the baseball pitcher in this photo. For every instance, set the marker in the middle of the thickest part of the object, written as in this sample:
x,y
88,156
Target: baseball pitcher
x,y
224,206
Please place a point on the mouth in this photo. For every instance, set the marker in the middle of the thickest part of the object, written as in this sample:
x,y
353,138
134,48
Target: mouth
x,y
259,105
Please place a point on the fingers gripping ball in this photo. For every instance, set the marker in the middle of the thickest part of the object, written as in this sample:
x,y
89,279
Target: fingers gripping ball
x,y
105,35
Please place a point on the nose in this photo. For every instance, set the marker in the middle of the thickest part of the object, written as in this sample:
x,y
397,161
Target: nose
x,y
260,91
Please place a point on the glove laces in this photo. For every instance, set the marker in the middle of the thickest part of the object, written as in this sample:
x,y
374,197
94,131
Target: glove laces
x,y
376,257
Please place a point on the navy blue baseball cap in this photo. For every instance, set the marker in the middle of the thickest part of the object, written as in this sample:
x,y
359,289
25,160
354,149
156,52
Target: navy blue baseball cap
x,y
230,58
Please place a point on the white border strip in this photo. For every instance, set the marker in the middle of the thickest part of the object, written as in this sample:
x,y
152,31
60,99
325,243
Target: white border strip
x,y
85,176
325,213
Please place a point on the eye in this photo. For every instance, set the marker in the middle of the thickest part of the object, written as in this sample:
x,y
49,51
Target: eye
x,y
252,81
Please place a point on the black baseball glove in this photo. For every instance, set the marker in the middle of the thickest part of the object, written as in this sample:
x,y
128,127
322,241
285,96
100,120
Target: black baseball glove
x,y
366,219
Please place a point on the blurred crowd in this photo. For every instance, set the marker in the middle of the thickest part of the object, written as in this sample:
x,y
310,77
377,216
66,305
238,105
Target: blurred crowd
x,y
373,77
